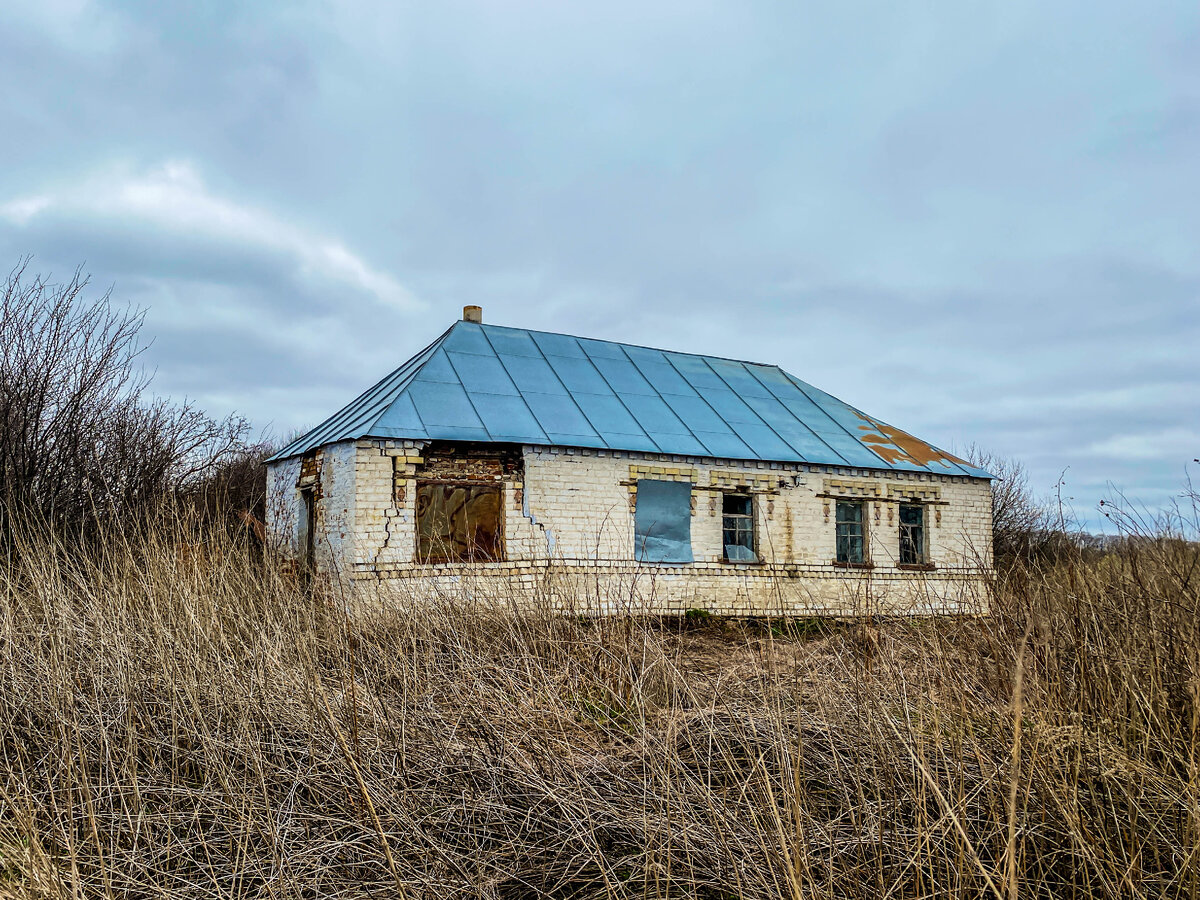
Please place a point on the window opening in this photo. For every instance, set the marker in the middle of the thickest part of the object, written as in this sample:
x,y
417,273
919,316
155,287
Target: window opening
x,y
308,539
737,527
662,525
851,543
459,523
912,535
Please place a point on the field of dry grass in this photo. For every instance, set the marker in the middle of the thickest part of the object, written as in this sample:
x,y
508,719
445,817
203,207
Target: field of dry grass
x,y
186,723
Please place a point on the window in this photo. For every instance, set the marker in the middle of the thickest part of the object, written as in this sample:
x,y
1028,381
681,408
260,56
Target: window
x,y
737,525
459,523
912,535
308,533
851,544
662,525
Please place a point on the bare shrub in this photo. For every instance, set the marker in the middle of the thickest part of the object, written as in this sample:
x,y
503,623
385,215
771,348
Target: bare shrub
x,y
82,444
233,491
1021,525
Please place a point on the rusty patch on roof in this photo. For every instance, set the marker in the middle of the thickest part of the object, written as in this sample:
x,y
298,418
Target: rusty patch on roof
x,y
894,445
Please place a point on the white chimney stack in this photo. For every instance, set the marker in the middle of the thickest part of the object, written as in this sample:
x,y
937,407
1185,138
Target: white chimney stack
x,y
473,314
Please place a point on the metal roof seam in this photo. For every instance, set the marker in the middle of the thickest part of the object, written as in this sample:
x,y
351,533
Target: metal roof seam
x,y
753,411
616,393
800,387
659,394
797,419
474,408
570,393
508,372
377,409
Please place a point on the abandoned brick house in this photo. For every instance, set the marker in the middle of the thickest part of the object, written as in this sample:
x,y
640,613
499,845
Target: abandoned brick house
x,y
670,481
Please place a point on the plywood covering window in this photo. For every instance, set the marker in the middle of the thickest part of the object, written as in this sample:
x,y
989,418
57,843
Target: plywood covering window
x,y
662,528
459,523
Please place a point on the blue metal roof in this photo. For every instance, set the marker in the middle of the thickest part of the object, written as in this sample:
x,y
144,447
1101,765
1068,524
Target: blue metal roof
x,y
491,383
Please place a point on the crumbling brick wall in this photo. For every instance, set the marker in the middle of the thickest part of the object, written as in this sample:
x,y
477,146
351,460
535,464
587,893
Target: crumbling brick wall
x,y
329,473
576,507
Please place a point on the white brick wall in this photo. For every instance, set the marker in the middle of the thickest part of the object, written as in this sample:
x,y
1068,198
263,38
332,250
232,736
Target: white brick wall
x,y
335,513
573,507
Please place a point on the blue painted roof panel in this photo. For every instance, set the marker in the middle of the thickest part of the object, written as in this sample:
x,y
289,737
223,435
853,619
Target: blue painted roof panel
x,y
578,374
559,414
439,369
622,376
532,374
490,383
507,418
607,414
482,374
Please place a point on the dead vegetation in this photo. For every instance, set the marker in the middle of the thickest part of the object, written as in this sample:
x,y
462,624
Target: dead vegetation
x,y
179,720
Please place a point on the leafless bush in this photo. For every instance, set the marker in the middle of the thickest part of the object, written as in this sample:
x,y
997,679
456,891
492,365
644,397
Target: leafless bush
x,y
1021,525
81,442
233,492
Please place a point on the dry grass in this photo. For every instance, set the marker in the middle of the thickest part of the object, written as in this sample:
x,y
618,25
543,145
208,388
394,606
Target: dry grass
x,y
177,723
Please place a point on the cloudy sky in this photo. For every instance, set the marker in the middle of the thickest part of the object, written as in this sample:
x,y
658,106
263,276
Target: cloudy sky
x,y
978,222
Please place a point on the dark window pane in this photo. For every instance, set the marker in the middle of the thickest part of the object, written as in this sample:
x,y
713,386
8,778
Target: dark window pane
x,y
849,531
662,526
738,504
912,535
849,511
459,523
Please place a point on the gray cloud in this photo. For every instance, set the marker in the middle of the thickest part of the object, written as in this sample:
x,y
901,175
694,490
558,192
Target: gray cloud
x,y
978,223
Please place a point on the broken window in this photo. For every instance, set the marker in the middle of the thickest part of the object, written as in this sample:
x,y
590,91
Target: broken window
x,y
663,522
851,542
459,523
737,527
912,534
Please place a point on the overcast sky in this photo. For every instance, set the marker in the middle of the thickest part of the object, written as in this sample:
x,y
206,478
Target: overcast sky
x,y
980,223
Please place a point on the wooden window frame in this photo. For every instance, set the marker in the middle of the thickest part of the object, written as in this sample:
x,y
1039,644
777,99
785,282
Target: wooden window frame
x,y
753,517
865,562
921,562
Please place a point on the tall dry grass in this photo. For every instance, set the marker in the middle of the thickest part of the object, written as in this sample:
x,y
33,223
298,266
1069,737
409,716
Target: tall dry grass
x,y
179,720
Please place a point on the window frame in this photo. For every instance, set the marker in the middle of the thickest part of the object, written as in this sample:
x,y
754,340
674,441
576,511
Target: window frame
x,y
751,517
865,562
501,554
308,531
921,561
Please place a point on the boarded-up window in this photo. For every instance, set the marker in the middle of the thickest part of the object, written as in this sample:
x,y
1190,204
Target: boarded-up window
x,y
663,522
459,523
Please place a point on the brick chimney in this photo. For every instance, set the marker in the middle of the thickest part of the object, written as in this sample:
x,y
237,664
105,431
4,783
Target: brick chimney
x,y
473,314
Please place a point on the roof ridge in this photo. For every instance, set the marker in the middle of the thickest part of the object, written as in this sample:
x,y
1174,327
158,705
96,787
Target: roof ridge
x,y
578,337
